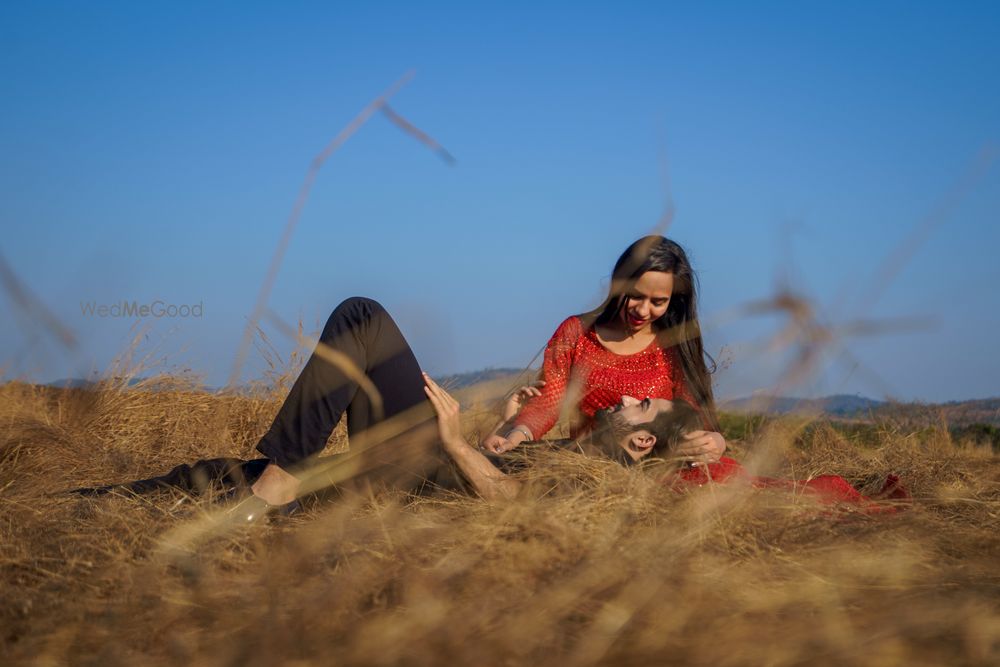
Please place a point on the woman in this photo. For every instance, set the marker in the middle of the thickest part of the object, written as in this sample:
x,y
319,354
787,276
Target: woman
x,y
643,341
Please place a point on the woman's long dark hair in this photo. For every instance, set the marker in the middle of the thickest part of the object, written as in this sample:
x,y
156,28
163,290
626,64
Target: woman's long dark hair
x,y
679,325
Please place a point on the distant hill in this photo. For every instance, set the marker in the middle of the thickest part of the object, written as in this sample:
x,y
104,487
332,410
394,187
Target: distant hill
x,y
846,406
840,405
953,413
463,380
454,381
70,383
82,383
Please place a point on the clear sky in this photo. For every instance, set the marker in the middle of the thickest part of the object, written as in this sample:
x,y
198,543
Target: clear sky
x,y
153,151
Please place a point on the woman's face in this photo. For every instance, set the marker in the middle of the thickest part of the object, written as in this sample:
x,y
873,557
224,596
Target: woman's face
x,y
647,301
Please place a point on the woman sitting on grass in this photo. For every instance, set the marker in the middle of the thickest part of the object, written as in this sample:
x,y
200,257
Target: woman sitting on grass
x,y
643,341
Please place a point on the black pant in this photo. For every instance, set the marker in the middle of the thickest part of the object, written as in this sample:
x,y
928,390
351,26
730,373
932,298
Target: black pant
x,y
362,366
359,336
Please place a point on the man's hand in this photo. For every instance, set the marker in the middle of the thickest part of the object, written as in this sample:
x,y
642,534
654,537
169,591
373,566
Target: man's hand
x,y
489,481
447,409
701,447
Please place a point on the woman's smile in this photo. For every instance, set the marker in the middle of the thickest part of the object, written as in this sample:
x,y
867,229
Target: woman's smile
x,y
636,322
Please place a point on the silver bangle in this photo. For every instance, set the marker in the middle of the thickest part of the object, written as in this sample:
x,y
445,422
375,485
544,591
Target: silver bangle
x,y
521,429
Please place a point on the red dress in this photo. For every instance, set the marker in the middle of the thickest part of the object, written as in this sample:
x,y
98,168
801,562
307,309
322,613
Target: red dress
x,y
827,489
576,361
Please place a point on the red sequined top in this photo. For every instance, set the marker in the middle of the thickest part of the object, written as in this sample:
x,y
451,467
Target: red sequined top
x,y
578,364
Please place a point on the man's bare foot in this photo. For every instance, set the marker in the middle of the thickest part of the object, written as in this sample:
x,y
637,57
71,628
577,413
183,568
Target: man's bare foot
x,y
276,486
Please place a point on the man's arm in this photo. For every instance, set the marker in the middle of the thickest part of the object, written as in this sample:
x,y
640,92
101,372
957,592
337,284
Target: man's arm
x,y
489,481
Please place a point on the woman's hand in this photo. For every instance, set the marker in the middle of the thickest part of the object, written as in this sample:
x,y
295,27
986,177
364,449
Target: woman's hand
x,y
497,444
447,409
517,400
701,447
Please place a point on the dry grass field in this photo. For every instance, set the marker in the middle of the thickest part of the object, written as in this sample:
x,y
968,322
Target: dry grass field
x,y
595,565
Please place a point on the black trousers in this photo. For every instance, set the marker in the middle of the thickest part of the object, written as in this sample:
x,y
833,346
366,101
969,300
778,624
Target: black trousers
x,y
360,339
364,367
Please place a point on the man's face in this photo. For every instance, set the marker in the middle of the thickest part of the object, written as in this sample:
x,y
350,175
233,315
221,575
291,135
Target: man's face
x,y
625,419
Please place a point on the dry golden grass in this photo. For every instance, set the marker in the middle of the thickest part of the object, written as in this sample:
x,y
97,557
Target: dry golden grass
x,y
597,565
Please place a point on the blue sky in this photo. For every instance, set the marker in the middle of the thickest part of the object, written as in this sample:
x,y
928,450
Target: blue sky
x,y
154,150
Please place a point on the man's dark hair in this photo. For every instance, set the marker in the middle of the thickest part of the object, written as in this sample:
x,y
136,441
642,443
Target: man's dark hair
x,y
669,427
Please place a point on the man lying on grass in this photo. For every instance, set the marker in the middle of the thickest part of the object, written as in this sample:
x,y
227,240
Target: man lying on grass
x,y
628,432
634,430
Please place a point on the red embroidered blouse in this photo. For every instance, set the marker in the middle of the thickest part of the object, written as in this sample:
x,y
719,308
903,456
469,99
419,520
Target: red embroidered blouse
x,y
576,363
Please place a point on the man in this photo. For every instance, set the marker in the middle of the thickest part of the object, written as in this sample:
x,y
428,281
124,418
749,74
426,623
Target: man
x,y
629,432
